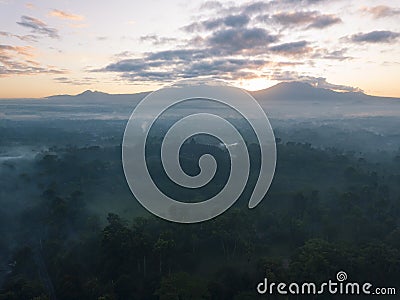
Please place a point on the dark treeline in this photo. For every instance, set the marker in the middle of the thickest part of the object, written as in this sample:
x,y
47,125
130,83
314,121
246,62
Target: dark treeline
x,y
83,236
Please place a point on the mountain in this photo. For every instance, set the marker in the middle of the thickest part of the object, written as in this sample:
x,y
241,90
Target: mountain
x,y
287,100
284,91
304,91
99,97
87,93
92,94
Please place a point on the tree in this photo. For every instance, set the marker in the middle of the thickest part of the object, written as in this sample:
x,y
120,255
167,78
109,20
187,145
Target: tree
x,y
182,286
164,247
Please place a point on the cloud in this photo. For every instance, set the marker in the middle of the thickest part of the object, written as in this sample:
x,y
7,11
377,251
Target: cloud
x,y
148,76
257,11
234,21
293,48
26,51
157,40
228,41
318,82
211,5
178,55
65,16
18,60
230,68
75,81
378,36
255,7
25,38
132,65
313,19
235,40
38,27
123,55
340,54
294,18
229,46
302,2
321,82
324,21
381,11
185,63
258,7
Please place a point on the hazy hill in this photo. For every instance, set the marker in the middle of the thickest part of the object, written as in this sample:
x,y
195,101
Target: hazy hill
x,y
280,92
303,91
96,96
294,100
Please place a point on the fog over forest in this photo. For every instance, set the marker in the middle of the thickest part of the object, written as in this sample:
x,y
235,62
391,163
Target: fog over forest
x,y
71,229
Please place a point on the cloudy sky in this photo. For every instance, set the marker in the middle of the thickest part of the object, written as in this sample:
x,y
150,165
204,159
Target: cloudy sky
x,y
65,47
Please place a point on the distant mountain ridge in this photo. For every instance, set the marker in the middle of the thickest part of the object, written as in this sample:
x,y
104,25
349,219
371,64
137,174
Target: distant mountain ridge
x,y
280,92
89,96
304,91
284,101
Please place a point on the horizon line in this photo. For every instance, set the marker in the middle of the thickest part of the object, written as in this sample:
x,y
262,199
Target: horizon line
x,y
248,90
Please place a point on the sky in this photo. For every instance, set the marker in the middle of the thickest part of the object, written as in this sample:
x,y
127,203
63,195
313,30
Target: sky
x,y
52,47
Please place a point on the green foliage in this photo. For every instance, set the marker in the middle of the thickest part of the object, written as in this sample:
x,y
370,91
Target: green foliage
x,y
182,286
326,211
